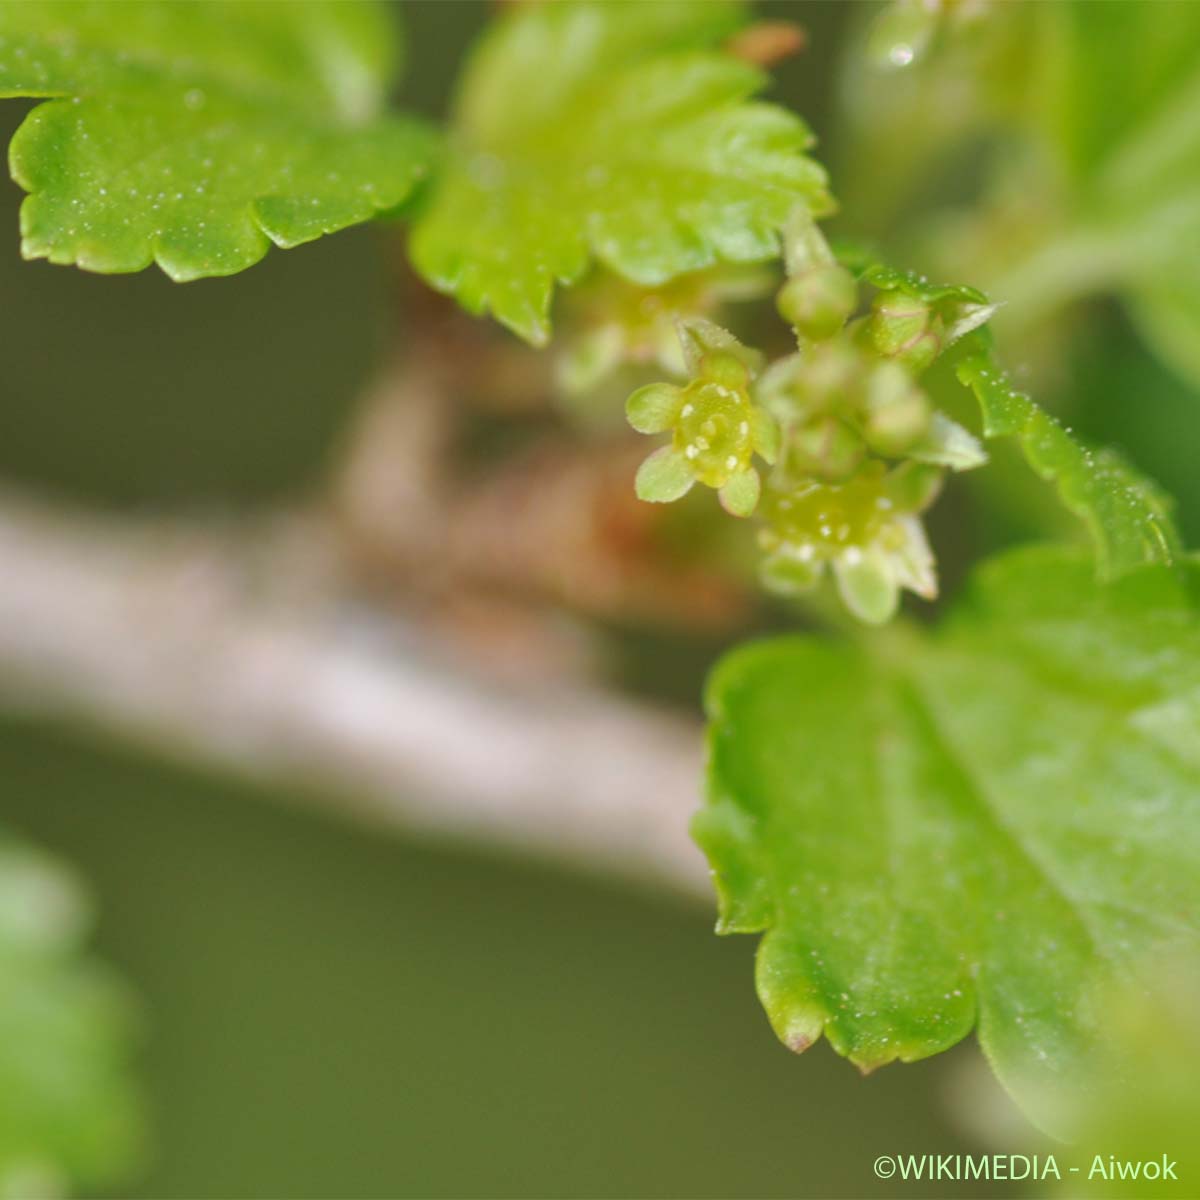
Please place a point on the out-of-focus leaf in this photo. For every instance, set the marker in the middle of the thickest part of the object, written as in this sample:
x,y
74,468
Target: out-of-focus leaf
x,y
1166,309
1129,124
69,1114
1137,1103
1082,122
1122,79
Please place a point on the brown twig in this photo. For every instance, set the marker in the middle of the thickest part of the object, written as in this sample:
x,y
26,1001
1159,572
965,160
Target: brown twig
x,y
766,43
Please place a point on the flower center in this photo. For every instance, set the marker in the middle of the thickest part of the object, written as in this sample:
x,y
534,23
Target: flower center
x,y
713,432
828,518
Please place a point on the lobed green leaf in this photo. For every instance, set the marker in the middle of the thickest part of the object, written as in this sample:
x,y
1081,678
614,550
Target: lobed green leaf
x,y
891,278
1128,518
979,828
195,135
612,132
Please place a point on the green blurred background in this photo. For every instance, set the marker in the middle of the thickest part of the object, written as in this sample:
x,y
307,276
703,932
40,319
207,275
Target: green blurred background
x,y
332,1014
328,1012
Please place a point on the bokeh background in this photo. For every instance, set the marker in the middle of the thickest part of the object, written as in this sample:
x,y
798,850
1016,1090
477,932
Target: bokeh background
x,y
330,1011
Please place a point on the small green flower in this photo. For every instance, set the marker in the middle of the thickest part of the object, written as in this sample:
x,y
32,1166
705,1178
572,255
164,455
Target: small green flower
x,y
716,429
867,531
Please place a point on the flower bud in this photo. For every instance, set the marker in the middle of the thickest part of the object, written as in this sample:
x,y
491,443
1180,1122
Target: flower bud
x,y
825,448
897,411
825,379
818,300
904,328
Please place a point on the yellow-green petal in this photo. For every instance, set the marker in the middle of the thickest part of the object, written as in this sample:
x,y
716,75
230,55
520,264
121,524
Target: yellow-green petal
x,y
788,574
739,496
867,584
652,409
948,444
765,431
663,477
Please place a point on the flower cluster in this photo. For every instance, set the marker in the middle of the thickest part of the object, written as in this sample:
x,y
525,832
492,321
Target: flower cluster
x,y
864,454
857,449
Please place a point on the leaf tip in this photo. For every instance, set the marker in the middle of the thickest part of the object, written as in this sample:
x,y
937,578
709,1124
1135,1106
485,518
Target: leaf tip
x,y
799,1030
798,1042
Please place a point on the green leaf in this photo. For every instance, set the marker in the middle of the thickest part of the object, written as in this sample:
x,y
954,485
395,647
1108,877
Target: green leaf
x,y
608,131
974,828
887,279
195,135
1127,517
68,1111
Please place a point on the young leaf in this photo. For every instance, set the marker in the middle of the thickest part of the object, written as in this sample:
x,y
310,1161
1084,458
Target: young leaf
x,y
886,278
612,131
976,829
1127,517
68,1113
195,135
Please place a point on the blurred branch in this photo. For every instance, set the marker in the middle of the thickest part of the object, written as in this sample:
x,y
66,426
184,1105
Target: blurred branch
x,y
766,43
248,648
552,521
